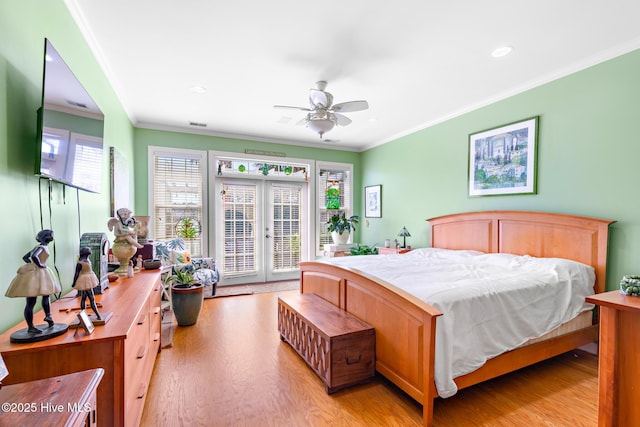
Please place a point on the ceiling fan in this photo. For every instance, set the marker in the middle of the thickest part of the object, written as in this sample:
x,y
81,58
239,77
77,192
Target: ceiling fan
x,y
322,114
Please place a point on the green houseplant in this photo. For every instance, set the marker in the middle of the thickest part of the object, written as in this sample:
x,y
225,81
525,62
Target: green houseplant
x,y
186,295
364,250
340,227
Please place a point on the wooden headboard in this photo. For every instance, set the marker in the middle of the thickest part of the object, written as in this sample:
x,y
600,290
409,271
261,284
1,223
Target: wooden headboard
x,y
539,234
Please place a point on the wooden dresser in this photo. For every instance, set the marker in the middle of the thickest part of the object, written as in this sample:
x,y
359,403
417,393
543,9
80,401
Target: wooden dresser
x,y
619,364
126,347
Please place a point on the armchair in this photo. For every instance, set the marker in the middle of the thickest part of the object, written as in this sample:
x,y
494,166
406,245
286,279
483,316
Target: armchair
x,y
173,255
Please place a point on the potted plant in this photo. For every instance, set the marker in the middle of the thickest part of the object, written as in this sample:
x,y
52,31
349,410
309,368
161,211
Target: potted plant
x,y
340,227
186,296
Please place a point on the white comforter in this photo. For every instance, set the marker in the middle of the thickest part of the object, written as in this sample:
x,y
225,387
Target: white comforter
x,y
491,302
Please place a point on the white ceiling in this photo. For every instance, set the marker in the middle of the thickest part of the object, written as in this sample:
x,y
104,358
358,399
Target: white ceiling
x,y
416,62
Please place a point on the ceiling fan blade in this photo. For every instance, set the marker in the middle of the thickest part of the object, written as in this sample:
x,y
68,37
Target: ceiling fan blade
x,y
288,107
320,98
303,121
346,107
341,120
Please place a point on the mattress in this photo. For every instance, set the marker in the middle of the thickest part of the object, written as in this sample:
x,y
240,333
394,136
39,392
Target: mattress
x,y
491,303
581,321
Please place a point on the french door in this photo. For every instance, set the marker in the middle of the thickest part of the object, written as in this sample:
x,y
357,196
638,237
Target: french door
x,y
259,229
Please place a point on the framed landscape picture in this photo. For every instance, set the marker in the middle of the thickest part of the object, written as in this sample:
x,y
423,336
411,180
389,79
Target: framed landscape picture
x,y
502,160
373,201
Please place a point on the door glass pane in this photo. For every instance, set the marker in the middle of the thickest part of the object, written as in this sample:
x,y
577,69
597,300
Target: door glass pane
x,y
239,204
286,244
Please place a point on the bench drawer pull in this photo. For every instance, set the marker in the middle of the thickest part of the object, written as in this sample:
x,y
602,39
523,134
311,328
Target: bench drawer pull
x,y
353,362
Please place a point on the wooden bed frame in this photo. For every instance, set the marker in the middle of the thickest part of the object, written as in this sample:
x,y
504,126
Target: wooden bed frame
x,y
405,326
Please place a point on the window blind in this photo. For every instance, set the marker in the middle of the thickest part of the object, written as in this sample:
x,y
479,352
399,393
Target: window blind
x,y
178,194
287,223
239,204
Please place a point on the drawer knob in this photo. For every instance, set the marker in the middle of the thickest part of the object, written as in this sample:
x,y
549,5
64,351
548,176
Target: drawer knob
x,y
142,390
141,352
142,319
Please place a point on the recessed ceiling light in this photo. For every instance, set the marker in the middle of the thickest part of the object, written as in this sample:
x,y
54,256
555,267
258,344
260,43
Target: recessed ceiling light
x,y
502,51
198,89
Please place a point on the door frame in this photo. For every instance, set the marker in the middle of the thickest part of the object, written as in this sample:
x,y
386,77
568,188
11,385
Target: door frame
x,y
309,205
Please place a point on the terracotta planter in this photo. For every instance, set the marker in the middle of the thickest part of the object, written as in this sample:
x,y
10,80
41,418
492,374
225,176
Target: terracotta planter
x,y
187,304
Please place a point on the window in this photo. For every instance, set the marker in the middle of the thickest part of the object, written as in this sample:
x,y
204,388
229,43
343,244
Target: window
x,y
86,161
335,195
177,197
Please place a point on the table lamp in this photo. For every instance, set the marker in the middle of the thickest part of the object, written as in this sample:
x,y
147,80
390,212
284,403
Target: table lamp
x,y
404,233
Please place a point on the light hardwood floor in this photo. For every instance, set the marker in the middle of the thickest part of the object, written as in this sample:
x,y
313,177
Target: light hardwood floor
x,y
231,369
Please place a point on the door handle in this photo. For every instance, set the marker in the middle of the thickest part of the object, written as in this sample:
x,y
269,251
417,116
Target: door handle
x,y
267,236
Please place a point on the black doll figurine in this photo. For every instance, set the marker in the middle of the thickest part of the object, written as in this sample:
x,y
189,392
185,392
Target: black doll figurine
x,y
85,280
36,279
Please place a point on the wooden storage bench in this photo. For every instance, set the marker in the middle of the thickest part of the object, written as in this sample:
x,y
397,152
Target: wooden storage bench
x,y
339,347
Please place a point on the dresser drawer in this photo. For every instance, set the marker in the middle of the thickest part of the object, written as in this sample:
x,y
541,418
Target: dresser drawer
x,y
141,347
155,315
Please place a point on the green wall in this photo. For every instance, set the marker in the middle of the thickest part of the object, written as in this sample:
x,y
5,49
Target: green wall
x,y
146,137
588,157
24,24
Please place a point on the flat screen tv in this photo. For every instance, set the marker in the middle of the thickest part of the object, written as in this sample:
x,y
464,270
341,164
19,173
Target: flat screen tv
x,y
70,128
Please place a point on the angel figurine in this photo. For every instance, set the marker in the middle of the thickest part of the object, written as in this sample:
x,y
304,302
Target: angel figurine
x,y
124,227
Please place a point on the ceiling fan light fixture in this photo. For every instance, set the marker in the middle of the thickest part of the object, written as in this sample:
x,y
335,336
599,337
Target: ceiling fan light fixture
x,y
322,115
320,126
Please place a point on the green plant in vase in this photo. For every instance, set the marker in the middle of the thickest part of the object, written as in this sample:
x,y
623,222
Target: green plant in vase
x,y
182,278
340,226
187,295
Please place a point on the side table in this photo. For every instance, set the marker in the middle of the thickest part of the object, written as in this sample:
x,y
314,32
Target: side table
x,y
619,364
387,251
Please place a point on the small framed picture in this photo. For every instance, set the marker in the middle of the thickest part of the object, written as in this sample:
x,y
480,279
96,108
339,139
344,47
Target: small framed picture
x,y
3,369
373,201
85,322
